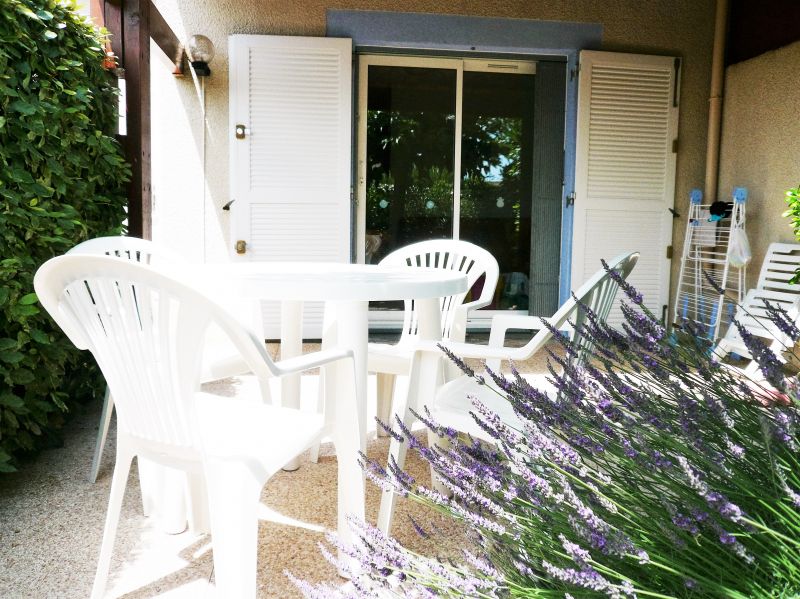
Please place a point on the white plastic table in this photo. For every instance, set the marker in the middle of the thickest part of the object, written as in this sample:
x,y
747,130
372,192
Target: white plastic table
x,y
346,289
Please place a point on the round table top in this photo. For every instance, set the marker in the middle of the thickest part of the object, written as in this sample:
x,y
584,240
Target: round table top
x,y
332,281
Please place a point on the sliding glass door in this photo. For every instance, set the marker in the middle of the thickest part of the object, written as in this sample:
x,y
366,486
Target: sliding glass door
x,y
445,150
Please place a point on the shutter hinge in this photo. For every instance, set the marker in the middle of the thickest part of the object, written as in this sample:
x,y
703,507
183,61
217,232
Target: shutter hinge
x,y
669,252
574,72
675,146
571,199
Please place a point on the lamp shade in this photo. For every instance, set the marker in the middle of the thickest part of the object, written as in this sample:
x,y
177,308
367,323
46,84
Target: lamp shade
x,y
200,49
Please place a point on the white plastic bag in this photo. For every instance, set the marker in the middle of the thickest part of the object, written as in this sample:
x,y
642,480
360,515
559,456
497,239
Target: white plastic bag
x,y
739,253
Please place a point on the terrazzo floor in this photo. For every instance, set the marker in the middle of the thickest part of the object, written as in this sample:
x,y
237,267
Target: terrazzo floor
x,y
51,522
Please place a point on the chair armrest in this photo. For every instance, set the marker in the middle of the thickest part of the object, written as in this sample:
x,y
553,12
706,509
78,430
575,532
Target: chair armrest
x,y
312,360
503,322
458,329
469,350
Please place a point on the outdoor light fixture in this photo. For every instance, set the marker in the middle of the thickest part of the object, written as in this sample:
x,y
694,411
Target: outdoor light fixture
x,y
200,52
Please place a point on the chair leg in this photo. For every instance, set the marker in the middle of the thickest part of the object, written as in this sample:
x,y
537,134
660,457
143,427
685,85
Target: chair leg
x,y
397,451
385,395
313,451
102,433
329,336
118,482
148,485
233,493
163,495
423,377
197,503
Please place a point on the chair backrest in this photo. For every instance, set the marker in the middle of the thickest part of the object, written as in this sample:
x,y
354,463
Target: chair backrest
x,y
598,294
448,254
779,266
145,330
131,248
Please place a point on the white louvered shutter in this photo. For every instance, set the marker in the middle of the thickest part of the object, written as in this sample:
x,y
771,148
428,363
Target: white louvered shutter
x,y
290,175
625,169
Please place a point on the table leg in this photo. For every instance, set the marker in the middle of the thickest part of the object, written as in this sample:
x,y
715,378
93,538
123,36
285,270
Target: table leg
x,y
291,346
350,425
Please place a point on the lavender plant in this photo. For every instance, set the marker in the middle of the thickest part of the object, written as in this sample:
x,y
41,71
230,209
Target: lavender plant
x,y
654,471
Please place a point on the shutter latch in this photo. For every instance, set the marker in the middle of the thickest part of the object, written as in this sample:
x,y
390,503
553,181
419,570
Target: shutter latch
x,y
241,131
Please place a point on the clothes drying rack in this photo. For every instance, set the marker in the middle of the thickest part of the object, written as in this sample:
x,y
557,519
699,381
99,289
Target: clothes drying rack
x,y
705,253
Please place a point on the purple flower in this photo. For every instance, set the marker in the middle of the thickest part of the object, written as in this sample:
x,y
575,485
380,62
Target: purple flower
x,y
781,319
629,290
771,367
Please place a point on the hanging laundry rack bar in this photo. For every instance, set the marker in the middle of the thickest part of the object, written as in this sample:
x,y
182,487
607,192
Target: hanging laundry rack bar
x,y
705,253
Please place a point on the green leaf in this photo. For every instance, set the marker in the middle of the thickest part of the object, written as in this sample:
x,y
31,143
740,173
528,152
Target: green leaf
x,y
22,376
48,34
12,401
12,357
7,343
23,107
28,299
39,337
25,310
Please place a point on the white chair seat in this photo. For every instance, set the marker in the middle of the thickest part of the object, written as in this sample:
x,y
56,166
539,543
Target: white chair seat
x,y
451,409
246,430
388,358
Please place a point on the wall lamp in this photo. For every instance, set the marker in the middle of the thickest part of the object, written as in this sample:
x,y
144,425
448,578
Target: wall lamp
x,y
200,51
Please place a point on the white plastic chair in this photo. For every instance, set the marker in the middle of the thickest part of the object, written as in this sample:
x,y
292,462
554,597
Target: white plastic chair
x,y
388,360
218,366
145,330
452,403
779,266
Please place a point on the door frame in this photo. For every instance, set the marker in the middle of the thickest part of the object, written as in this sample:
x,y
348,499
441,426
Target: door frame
x,y
389,319
390,60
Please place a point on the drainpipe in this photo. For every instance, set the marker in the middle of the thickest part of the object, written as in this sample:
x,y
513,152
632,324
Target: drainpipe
x,y
715,100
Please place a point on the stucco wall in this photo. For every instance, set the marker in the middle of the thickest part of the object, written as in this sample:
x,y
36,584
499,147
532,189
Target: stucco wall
x,y
671,27
761,143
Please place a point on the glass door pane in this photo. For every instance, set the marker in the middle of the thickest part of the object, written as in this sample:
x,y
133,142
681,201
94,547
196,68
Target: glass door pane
x,y
497,178
409,159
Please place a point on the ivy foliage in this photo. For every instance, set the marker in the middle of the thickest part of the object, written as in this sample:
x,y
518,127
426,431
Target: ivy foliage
x,y
62,178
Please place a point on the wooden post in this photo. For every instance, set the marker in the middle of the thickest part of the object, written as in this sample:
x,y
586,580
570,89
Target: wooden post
x,y
129,23
136,62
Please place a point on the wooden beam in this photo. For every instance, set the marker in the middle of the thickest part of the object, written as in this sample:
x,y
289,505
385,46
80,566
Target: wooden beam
x,y
109,15
166,39
136,62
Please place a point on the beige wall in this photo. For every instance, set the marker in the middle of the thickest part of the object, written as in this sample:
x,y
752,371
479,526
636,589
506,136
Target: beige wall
x,y
672,27
761,143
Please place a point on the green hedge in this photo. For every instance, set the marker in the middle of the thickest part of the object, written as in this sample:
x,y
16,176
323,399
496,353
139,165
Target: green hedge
x,y
62,177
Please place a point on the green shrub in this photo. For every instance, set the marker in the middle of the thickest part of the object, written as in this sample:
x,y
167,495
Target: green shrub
x,y
62,177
